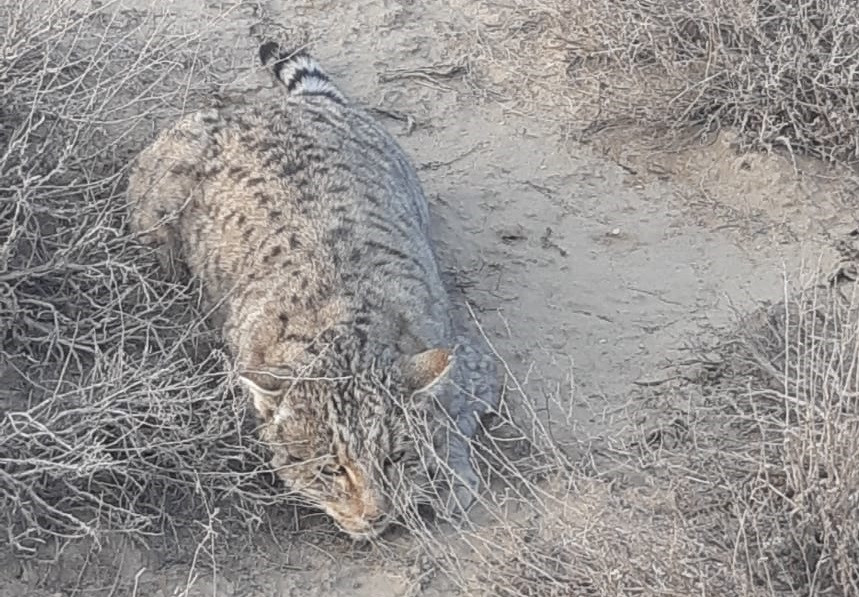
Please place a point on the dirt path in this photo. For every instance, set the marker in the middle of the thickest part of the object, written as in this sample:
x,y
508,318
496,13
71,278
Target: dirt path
x,y
574,268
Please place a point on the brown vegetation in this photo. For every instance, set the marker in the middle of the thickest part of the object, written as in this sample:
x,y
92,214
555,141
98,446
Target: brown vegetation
x,y
781,73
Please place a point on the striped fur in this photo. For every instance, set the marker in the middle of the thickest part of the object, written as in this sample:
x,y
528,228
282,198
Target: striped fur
x,y
298,72
308,227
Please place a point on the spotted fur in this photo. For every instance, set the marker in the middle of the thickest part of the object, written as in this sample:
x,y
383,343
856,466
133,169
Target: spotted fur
x,y
308,227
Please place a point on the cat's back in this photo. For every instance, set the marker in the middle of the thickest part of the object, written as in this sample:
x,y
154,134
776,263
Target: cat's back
x,y
304,197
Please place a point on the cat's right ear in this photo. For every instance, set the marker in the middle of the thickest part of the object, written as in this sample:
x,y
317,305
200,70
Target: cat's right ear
x,y
425,369
265,389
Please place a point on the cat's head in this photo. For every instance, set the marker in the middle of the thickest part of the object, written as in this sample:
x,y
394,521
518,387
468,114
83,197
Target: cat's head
x,y
351,443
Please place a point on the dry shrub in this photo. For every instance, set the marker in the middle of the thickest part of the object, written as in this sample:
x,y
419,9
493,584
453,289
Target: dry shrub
x,y
592,539
803,406
770,465
782,73
115,412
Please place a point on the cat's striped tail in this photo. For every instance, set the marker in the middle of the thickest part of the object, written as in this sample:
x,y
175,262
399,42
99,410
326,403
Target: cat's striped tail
x,y
298,72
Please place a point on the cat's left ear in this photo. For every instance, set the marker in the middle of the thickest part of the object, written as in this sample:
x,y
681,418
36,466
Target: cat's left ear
x,y
424,370
266,391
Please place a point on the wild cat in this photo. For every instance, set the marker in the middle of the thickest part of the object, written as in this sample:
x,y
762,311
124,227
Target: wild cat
x,y
309,230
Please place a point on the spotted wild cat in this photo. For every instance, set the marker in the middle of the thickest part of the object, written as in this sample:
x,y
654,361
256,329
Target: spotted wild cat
x,y
308,227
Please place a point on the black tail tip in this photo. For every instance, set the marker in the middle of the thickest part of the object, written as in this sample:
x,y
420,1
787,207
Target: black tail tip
x,y
269,51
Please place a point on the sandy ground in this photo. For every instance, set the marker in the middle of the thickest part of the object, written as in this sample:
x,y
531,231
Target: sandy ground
x,y
590,267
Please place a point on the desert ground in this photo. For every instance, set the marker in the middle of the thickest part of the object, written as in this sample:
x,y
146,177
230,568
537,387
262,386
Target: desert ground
x,y
600,267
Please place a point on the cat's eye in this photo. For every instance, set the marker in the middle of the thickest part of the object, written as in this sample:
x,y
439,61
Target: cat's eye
x,y
292,460
332,470
395,457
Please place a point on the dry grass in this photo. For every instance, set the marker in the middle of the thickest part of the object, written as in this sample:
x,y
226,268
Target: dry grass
x,y
766,459
591,538
791,402
782,73
110,410
119,415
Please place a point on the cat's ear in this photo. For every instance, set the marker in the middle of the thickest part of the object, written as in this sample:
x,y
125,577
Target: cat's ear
x,y
424,370
266,391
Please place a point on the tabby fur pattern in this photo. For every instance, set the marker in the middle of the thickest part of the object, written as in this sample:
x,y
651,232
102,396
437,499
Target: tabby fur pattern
x,y
307,226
